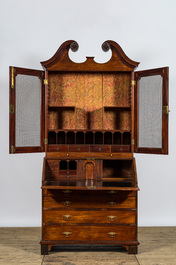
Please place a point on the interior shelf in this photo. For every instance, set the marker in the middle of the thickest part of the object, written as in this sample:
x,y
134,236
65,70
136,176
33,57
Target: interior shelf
x,y
61,117
117,118
102,173
119,178
127,106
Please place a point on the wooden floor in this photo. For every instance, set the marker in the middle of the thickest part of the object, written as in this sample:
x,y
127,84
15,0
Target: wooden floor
x,y
21,246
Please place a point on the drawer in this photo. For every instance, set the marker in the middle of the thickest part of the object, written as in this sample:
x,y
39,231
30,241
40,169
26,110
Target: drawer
x,y
95,148
120,148
67,172
89,233
90,202
94,217
52,163
78,148
51,167
67,203
90,193
51,174
57,148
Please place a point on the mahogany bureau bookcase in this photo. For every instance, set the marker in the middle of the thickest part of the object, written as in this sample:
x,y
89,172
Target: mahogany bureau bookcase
x,y
89,119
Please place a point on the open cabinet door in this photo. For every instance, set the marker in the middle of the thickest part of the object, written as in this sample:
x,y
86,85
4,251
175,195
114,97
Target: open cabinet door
x,y
27,101
151,111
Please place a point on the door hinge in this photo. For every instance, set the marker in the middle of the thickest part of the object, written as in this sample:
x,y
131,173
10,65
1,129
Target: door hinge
x,y
133,82
45,81
12,77
132,141
11,108
45,141
166,109
12,149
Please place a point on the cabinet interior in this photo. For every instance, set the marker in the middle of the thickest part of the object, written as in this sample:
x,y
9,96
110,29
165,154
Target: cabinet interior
x,y
103,173
89,108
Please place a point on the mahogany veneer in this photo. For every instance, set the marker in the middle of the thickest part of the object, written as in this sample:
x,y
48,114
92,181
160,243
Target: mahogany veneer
x,y
89,118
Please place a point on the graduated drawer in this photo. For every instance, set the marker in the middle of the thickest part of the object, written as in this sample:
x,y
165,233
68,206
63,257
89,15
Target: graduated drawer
x,y
94,217
89,233
89,202
68,193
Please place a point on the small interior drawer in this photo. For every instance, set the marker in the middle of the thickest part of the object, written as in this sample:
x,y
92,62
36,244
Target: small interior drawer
x,y
78,148
120,148
100,148
57,148
53,162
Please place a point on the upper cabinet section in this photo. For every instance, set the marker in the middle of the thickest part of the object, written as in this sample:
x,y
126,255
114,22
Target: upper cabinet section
x,y
89,107
61,61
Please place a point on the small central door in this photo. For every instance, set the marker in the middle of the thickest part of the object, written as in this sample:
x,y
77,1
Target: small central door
x,y
89,170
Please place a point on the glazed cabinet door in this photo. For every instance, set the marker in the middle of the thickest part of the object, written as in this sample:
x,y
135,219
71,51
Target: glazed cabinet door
x,y
27,107
151,111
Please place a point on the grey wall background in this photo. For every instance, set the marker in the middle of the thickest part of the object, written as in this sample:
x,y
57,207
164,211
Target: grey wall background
x,y
30,32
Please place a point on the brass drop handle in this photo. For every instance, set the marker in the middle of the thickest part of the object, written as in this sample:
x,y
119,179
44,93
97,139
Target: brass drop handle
x,y
111,218
67,217
112,192
67,203
67,234
111,203
112,234
67,192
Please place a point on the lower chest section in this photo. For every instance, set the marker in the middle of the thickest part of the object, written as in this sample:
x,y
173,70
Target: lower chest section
x,y
89,216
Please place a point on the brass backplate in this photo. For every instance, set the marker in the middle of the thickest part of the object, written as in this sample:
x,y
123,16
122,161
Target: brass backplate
x,y
91,187
112,192
67,192
67,234
67,217
112,234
